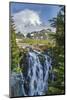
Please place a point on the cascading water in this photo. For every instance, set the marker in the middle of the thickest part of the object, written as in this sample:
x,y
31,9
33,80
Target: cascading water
x,y
38,74
36,80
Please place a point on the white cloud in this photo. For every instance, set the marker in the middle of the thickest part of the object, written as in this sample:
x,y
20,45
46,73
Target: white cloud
x,y
28,21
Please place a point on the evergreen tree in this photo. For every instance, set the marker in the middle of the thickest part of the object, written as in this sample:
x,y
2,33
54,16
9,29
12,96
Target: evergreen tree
x,y
14,47
57,86
28,35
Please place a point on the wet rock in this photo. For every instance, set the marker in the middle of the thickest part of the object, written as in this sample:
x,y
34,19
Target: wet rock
x,y
16,85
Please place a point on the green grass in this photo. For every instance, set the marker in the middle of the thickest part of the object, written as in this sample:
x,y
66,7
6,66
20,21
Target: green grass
x,y
36,42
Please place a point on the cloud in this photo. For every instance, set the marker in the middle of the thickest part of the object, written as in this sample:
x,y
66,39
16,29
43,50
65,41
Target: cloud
x,y
27,21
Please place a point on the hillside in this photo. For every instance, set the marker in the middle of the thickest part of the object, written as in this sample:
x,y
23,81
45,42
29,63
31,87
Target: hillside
x,y
43,34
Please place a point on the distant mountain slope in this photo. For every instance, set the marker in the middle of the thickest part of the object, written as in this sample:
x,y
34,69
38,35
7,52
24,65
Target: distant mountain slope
x,y
43,34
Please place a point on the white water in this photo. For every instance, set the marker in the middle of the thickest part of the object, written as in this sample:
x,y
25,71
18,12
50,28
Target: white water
x,y
37,73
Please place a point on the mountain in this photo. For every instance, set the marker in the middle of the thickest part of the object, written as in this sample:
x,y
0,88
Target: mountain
x,y
43,34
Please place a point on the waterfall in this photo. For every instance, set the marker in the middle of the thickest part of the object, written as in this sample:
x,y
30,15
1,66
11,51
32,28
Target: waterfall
x,y
36,81
38,74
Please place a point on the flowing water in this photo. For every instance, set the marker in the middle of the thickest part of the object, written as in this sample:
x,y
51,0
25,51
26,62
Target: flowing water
x,y
36,80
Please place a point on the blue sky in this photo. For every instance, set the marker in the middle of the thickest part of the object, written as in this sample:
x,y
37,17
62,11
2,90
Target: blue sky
x,y
45,12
